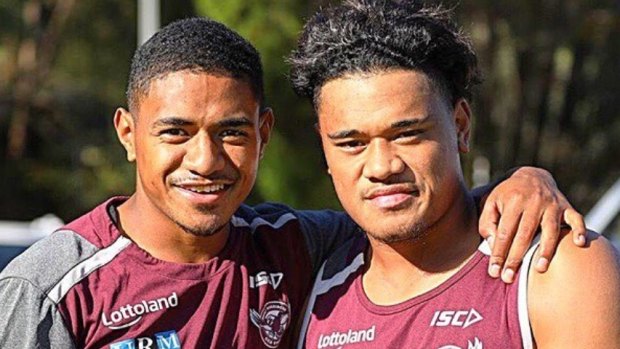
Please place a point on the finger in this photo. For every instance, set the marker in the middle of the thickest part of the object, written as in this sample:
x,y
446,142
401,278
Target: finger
x,y
577,225
506,229
487,226
528,226
489,218
550,226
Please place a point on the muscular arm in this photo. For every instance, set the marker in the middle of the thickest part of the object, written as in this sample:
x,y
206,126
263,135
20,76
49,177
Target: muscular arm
x,y
575,304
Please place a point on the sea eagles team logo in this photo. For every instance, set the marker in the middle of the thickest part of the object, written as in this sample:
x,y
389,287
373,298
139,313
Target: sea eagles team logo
x,y
272,322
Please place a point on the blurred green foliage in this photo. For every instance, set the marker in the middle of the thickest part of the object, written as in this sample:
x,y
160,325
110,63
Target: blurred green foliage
x,y
549,99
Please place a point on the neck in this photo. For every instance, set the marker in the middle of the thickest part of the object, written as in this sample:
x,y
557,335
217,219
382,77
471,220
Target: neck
x,y
145,225
399,271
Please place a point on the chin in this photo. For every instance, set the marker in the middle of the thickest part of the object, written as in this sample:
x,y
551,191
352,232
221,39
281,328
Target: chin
x,y
202,230
207,226
399,233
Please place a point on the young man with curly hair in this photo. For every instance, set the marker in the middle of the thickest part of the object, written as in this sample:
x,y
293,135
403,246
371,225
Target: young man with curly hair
x,y
391,82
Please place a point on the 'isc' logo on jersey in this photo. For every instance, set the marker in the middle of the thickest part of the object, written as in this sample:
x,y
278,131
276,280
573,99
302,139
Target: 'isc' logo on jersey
x,y
163,340
457,318
264,278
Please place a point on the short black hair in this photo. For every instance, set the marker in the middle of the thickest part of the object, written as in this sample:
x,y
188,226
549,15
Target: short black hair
x,y
366,36
195,44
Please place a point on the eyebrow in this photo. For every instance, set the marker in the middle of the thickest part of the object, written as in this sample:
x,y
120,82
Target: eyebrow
x,y
398,124
343,134
238,121
409,122
172,121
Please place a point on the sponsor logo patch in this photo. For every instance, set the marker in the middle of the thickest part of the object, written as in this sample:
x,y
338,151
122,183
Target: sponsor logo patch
x,y
272,321
130,314
340,339
163,340
456,318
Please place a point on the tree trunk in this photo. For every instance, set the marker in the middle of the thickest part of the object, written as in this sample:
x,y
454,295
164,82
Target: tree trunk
x,y
35,58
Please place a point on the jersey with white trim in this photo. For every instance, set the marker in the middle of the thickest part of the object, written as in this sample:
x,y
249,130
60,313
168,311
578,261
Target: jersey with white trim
x,y
88,286
470,310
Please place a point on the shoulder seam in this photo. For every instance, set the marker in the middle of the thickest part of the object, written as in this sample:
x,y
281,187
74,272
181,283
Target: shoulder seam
x,y
9,278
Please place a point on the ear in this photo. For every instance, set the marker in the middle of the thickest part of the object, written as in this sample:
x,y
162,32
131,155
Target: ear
x,y
317,129
124,124
265,125
462,121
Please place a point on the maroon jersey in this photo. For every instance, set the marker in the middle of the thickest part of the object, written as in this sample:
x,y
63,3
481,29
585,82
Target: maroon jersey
x,y
88,286
470,310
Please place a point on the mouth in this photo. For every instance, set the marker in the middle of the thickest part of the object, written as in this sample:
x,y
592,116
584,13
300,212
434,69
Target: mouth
x,y
392,197
202,193
204,188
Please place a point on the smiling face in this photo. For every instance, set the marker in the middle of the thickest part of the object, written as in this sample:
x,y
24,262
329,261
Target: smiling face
x,y
392,146
196,140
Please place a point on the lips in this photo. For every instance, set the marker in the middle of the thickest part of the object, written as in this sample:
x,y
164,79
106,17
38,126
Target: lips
x,y
392,196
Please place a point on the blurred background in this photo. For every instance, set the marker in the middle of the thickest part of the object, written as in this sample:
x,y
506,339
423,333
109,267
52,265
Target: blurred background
x,y
550,99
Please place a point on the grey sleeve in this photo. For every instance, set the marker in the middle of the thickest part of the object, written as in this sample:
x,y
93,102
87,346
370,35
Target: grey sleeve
x,y
325,231
28,319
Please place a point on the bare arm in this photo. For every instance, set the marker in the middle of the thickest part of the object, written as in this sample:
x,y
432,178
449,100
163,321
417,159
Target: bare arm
x,y
575,304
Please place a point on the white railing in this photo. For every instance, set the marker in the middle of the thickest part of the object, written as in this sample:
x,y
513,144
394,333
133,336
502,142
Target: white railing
x,y
26,233
605,211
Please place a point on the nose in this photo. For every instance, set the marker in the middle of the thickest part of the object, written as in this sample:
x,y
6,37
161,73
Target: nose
x,y
382,161
204,156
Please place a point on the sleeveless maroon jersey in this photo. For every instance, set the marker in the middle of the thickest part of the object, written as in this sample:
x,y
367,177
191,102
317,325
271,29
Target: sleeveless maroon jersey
x,y
88,286
470,310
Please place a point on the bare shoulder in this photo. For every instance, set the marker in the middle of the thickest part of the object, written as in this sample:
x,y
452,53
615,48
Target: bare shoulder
x,y
575,303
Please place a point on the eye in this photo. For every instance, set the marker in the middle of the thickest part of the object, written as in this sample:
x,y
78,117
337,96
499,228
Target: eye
x,y
233,135
351,145
173,132
173,135
409,134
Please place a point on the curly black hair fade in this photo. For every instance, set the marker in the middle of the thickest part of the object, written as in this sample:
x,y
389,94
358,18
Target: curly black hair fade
x,y
195,44
366,36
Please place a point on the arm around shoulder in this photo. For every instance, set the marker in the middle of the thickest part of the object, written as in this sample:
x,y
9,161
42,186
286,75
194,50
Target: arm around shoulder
x,y
576,303
324,232
28,319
